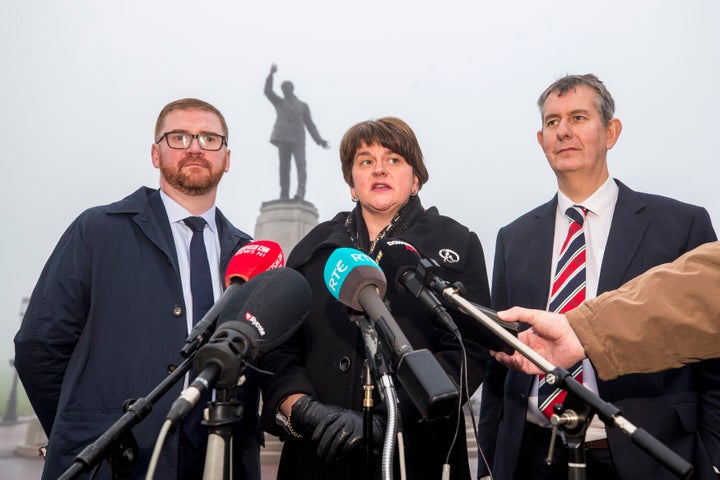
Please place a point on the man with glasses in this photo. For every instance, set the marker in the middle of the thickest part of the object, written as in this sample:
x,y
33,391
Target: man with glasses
x,y
115,301
289,133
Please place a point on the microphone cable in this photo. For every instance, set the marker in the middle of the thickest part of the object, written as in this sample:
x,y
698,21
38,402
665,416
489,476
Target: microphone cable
x,y
464,386
157,449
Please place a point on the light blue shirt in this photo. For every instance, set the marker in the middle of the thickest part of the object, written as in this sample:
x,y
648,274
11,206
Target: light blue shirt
x,y
182,234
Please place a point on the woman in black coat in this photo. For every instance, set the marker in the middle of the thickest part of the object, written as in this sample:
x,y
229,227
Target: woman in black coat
x,y
318,372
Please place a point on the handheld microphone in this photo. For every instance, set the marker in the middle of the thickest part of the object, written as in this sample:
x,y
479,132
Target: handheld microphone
x,y
398,259
413,274
486,320
357,282
263,314
254,258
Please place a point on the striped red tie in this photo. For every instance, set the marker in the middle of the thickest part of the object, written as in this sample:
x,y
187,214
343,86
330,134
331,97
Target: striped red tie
x,y
568,291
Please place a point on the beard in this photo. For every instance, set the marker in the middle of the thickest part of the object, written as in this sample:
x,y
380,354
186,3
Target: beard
x,y
191,181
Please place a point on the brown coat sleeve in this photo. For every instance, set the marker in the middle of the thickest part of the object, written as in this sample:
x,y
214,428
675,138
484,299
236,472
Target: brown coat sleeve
x,y
665,318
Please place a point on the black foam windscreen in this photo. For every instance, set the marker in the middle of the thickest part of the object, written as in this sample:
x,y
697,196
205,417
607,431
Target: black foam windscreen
x,y
396,257
274,303
399,260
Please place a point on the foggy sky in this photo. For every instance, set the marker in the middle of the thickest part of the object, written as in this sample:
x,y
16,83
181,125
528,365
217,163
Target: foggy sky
x,y
82,82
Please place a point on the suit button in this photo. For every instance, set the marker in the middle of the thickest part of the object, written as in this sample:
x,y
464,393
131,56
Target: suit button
x,y
171,368
177,311
344,364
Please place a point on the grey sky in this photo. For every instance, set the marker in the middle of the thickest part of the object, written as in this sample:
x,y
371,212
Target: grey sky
x,y
82,82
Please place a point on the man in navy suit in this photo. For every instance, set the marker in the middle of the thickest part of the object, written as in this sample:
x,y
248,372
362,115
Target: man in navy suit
x,y
626,233
113,307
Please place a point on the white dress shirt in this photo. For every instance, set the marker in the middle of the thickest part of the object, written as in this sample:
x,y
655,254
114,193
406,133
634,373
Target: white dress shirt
x,y
601,206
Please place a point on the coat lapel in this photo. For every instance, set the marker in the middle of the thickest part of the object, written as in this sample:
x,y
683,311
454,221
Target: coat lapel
x,y
231,239
148,213
540,247
626,233
154,223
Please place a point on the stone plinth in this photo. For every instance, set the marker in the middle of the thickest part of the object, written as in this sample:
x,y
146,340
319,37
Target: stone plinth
x,y
34,439
285,222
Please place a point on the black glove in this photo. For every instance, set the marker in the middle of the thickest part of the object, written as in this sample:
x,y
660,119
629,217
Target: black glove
x,y
307,413
336,430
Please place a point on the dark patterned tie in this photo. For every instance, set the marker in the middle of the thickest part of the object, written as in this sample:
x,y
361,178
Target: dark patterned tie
x,y
200,279
568,291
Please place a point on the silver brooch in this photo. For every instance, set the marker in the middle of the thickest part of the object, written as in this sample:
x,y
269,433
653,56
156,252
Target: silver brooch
x,y
449,256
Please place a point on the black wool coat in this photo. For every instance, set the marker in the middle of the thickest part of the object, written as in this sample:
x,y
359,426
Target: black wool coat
x,y
324,358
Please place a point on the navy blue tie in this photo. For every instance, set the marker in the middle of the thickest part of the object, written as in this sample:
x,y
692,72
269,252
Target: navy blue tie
x,y
200,279
202,300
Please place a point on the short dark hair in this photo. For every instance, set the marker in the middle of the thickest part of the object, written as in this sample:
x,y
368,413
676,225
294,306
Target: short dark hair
x,y
604,102
390,132
188,104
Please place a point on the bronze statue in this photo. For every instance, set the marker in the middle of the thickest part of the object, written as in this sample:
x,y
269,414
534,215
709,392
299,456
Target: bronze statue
x,y
288,134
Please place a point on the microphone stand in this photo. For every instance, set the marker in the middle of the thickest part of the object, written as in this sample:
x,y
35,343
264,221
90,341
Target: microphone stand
x,y
570,421
378,363
367,419
222,414
573,417
119,436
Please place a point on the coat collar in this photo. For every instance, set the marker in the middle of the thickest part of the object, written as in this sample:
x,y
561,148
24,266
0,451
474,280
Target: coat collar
x,y
149,215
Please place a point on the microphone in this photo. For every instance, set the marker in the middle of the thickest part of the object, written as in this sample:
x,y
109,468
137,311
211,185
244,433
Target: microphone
x,y
485,319
402,262
357,281
259,317
253,258
397,259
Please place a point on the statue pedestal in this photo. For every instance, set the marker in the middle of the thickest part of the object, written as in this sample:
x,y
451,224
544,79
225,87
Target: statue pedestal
x,y
35,438
285,222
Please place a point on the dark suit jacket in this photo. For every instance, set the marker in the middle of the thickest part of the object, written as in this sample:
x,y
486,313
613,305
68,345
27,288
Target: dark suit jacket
x,y
105,323
680,407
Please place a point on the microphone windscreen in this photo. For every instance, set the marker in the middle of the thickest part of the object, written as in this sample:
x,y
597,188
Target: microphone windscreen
x,y
274,303
252,259
347,271
396,257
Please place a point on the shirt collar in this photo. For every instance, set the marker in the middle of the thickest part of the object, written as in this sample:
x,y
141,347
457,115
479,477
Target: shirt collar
x,y
598,203
177,213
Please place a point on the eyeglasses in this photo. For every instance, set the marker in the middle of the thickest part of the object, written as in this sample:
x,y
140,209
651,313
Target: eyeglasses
x,y
182,140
